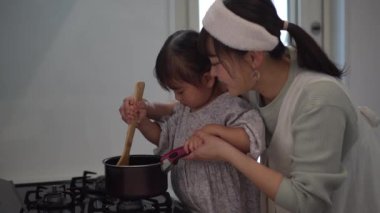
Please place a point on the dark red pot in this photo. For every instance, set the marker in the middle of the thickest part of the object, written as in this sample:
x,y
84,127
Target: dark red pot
x,y
142,178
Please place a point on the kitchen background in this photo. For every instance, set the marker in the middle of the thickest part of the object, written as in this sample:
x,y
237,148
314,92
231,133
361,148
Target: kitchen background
x,y
66,65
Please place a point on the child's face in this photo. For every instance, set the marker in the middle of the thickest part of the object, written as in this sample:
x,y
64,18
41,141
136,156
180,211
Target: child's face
x,y
192,96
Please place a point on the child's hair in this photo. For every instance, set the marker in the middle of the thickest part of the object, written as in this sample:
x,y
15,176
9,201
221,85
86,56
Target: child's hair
x,y
180,60
264,13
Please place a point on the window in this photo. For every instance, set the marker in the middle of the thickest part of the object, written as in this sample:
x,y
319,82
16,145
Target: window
x,y
203,7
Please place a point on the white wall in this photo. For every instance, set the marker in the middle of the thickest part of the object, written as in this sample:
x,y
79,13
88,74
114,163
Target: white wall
x,y
65,66
350,37
363,51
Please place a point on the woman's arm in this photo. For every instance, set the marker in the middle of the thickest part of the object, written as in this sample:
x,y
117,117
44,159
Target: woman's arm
x,y
215,148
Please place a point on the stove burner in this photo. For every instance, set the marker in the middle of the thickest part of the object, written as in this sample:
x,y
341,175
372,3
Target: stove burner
x,y
159,204
87,194
55,198
135,205
86,185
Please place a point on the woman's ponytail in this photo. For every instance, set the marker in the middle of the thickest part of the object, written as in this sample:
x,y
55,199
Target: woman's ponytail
x,y
309,53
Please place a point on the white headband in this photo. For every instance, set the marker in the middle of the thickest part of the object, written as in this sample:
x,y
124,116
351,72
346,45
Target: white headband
x,y
236,32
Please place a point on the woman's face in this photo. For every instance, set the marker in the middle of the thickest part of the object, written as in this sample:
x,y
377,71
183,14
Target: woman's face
x,y
232,72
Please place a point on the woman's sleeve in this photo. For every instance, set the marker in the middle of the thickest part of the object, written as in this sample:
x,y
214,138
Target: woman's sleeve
x,y
319,126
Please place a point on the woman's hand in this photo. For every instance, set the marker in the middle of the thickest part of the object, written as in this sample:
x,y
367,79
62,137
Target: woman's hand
x,y
206,146
133,110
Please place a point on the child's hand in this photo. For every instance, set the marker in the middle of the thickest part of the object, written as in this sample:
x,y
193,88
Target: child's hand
x,y
132,110
193,143
211,148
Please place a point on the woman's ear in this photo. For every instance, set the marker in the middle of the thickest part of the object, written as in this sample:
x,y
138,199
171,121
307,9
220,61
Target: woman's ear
x,y
255,58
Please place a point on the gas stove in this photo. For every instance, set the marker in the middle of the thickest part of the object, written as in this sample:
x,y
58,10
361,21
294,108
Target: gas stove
x,y
86,194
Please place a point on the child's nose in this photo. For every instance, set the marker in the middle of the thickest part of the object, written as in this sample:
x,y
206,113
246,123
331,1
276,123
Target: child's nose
x,y
177,97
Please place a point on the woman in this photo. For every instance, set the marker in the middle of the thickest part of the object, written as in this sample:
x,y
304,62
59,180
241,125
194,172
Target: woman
x,y
321,150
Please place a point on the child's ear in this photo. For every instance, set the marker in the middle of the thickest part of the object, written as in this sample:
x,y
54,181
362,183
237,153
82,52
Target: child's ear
x,y
208,80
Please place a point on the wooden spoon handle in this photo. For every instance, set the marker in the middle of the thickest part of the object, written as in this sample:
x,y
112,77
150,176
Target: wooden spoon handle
x,y
124,158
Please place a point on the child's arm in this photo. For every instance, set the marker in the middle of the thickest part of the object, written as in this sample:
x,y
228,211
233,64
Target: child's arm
x,y
150,130
236,136
156,110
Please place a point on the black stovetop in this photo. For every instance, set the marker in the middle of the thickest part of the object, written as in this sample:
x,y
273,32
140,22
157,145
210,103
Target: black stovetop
x,y
86,194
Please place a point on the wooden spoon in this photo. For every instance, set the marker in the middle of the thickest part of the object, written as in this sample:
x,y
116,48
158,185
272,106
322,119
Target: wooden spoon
x,y
124,158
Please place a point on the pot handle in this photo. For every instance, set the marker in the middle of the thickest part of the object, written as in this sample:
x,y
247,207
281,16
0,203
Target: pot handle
x,y
124,158
171,158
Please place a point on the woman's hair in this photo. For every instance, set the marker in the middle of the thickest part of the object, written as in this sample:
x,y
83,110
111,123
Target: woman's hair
x,y
180,60
263,12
